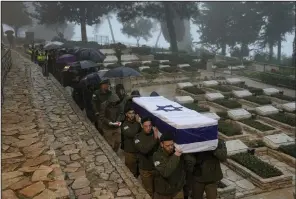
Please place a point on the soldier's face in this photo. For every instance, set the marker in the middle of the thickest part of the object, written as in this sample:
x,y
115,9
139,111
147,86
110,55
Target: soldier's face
x,y
168,146
105,87
130,115
147,126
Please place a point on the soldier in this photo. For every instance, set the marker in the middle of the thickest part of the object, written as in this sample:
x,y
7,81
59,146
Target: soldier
x,y
118,53
170,169
207,171
109,115
100,96
146,143
129,129
120,91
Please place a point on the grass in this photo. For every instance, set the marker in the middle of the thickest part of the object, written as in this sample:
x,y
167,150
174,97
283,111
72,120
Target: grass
x,y
257,125
255,143
284,97
197,108
222,88
258,100
289,149
228,103
253,163
284,118
194,90
229,128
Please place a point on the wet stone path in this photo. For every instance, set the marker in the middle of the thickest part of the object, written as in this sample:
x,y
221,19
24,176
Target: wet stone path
x,y
69,156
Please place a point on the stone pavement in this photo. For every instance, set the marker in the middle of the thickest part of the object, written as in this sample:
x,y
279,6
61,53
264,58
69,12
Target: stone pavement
x,y
54,151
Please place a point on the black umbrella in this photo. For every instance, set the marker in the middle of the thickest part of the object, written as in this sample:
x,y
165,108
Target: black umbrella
x,y
122,72
83,65
90,54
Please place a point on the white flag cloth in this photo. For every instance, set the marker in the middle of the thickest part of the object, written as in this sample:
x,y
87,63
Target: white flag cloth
x,y
193,131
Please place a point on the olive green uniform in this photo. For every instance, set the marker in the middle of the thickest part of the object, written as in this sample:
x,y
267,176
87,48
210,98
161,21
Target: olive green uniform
x,y
109,114
129,129
146,145
207,171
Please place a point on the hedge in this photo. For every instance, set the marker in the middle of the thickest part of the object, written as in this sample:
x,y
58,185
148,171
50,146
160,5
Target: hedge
x,y
253,163
284,97
277,80
171,69
197,108
228,103
141,50
222,64
289,149
257,125
284,118
133,64
257,91
223,115
255,143
190,69
194,90
151,70
222,88
229,128
258,100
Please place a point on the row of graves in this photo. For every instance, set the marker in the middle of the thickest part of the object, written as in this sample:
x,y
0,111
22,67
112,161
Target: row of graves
x,y
258,126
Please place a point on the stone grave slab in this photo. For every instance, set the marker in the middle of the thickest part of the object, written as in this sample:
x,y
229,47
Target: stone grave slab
x,y
143,67
211,115
239,114
235,146
233,80
227,72
164,66
266,110
144,62
131,57
290,107
275,141
126,62
241,67
242,93
107,51
183,65
103,71
184,99
270,91
162,61
210,83
213,96
233,67
110,59
197,60
184,84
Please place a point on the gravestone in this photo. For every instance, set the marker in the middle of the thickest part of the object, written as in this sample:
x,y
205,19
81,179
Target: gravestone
x,y
239,114
184,84
210,83
144,62
242,93
235,146
270,91
227,72
290,107
266,110
233,68
183,65
274,141
126,62
110,59
211,115
197,60
233,80
213,96
131,57
143,67
164,66
161,61
184,99
107,51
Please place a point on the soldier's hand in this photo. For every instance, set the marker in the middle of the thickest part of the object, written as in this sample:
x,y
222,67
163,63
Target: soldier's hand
x,y
138,118
178,152
155,132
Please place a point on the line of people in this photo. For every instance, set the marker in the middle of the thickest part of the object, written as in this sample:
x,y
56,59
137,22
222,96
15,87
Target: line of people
x,y
165,172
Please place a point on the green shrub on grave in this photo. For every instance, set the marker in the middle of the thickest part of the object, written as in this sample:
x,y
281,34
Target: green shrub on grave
x,y
222,88
259,167
229,127
284,118
197,108
257,125
255,143
190,69
257,91
171,69
194,90
141,50
133,64
222,64
111,66
228,103
288,149
284,97
223,115
151,71
258,100
166,63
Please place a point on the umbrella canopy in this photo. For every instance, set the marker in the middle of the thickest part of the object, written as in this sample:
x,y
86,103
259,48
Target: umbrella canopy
x,y
53,45
90,54
66,58
92,79
82,65
122,72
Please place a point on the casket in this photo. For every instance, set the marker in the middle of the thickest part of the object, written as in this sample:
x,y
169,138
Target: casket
x,y
193,132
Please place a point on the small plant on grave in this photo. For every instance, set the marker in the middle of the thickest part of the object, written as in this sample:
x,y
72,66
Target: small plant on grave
x,y
257,125
153,71
223,115
171,69
228,103
258,100
288,149
197,108
194,90
133,64
284,97
229,128
284,118
222,88
259,167
255,143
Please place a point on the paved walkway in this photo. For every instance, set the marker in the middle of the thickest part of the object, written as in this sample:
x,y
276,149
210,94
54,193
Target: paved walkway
x,y
54,151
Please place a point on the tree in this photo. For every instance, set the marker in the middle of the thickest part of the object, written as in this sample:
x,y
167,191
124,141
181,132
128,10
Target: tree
x,y
15,15
138,28
162,11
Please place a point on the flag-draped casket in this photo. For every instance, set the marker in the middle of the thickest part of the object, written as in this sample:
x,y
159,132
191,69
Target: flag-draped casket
x,y
193,132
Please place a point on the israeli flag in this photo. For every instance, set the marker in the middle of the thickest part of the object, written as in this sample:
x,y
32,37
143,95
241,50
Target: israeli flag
x,y
193,131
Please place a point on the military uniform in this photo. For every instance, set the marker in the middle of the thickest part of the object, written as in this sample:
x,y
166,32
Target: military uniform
x,y
129,129
146,145
109,113
118,54
207,171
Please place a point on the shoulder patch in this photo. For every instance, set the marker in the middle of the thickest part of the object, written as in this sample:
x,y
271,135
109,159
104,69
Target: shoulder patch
x,y
126,127
156,163
137,141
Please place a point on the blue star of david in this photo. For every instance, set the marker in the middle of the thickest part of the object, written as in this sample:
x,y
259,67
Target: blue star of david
x,y
168,108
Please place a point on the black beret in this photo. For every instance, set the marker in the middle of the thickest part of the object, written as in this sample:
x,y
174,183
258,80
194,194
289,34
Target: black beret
x,y
166,136
154,94
127,109
145,119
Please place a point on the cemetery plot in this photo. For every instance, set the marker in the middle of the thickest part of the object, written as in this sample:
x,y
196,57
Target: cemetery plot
x,y
239,114
184,99
255,143
235,146
233,80
266,110
184,84
277,140
213,96
150,71
289,150
284,97
270,91
242,93
284,118
222,88
171,70
210,83
257,127
258,100
211,115
253,90
289,107
194,90
197,108
228,103
229,128
164,66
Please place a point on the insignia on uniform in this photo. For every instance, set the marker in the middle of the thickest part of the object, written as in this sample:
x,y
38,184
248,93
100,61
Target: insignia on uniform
x,y
137,141
126,127
156,163
94,96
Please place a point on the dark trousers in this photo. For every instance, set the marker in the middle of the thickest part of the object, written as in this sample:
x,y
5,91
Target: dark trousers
x,y
199,188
